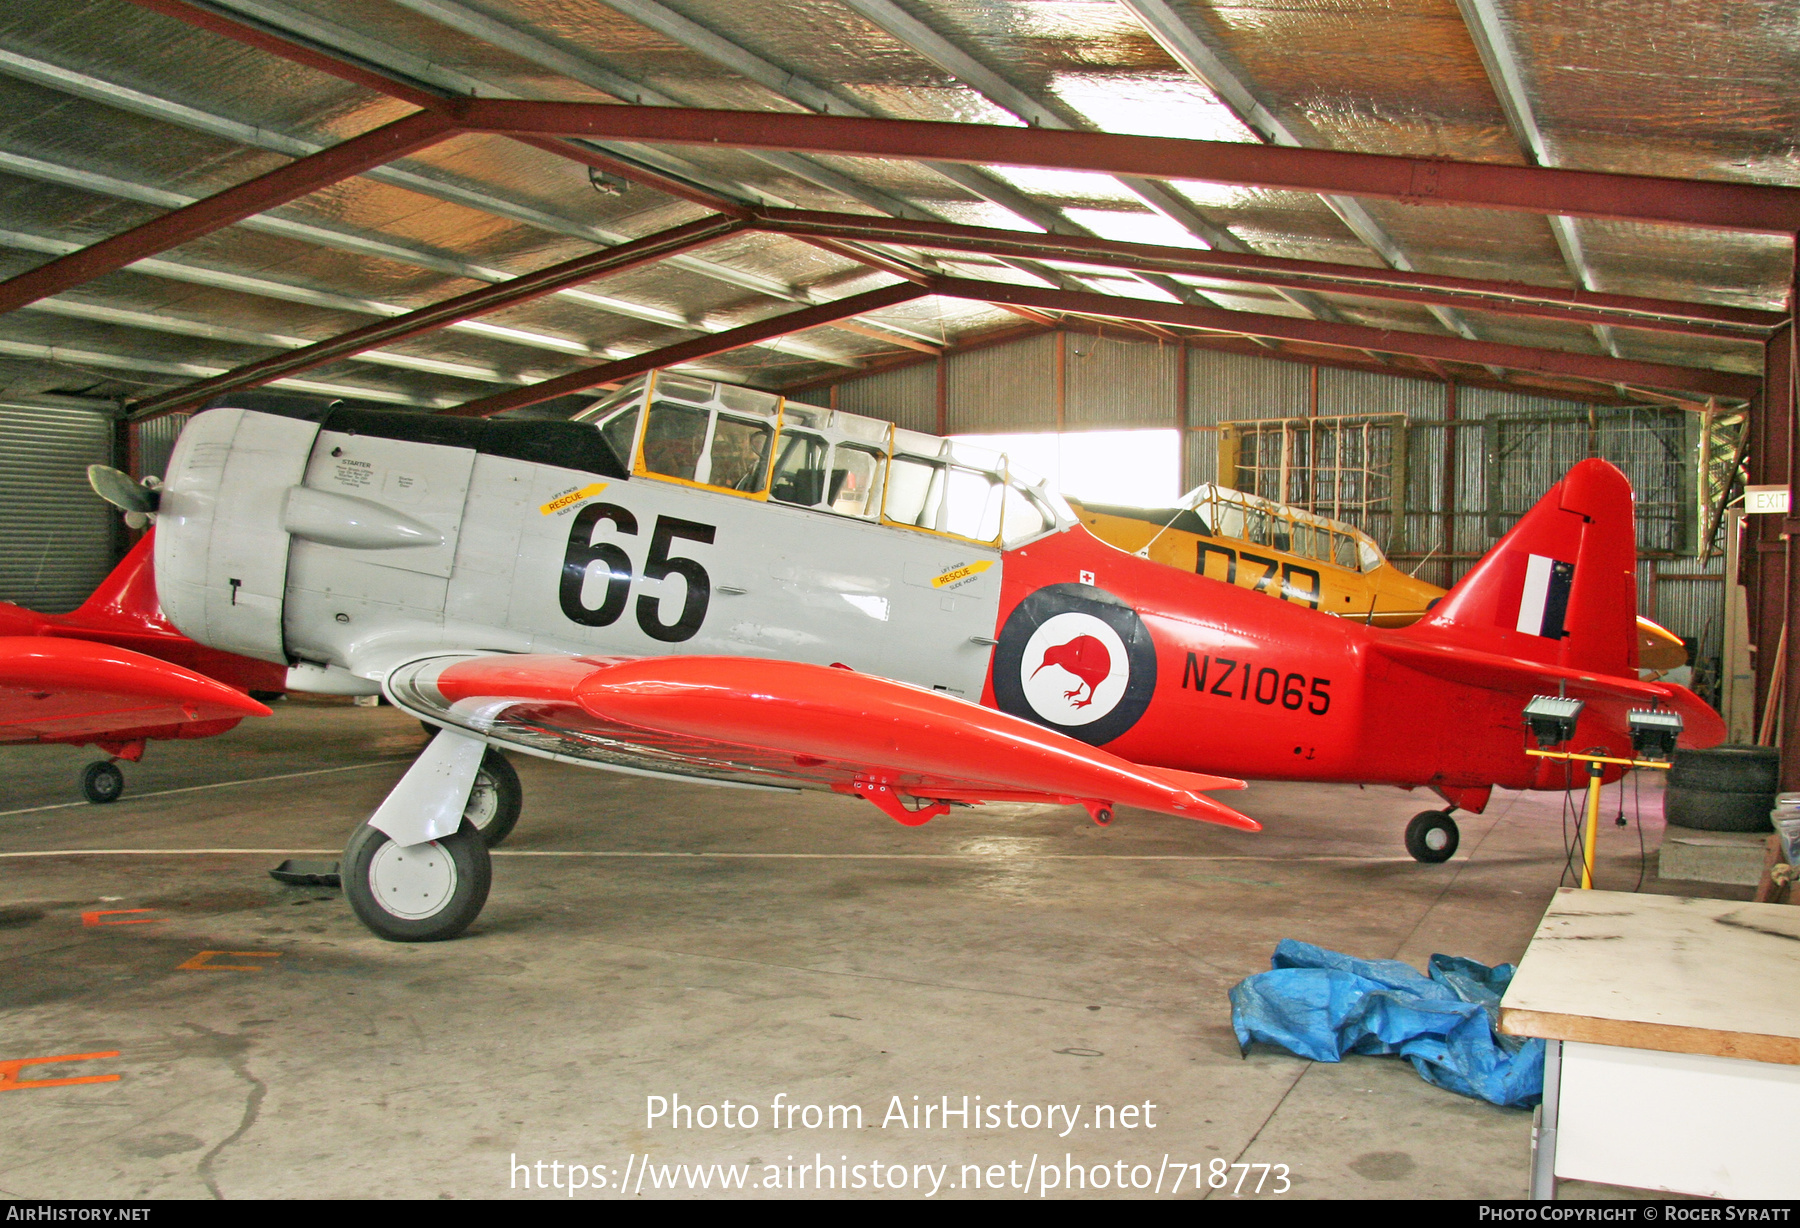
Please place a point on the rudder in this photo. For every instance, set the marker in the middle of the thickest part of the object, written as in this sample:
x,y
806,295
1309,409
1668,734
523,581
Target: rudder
x,y
1559,588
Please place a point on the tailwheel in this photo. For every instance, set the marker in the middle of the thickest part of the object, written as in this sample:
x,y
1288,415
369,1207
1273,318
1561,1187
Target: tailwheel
x,y
495,799
1432,836
102,783
418,892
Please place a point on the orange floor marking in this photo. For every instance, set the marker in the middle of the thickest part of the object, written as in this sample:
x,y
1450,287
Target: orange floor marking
x,y
93,918
10,1080
201,962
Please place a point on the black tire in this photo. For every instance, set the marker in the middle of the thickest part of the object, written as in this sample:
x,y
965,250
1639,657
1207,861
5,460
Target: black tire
x,y
102,783
1432,836
431,731
1728,769
1717,810
495,801
464,872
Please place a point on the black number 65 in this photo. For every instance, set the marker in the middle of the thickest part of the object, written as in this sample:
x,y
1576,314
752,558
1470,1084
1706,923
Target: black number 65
x,y
583,552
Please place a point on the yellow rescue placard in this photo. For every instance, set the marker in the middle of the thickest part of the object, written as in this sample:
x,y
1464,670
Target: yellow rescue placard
x,y
956,575
571,498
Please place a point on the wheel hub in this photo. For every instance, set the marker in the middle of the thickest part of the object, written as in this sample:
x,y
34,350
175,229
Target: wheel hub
x,y
1437,839
484,802
412,881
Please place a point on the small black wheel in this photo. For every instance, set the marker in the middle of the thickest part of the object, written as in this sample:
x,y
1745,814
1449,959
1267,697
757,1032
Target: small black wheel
x,y
416,893
102,783
431,731
1432,836
494,802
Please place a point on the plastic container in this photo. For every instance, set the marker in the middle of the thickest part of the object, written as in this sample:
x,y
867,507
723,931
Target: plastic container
x,y
1787,826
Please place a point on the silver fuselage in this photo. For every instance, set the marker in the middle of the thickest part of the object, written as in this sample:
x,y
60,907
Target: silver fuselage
x,y
343,555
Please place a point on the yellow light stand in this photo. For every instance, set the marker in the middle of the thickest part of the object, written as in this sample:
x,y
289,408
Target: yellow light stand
x,y
1596,769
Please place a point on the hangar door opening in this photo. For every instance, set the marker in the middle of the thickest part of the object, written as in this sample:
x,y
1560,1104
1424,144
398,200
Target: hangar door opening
x,y
1140,468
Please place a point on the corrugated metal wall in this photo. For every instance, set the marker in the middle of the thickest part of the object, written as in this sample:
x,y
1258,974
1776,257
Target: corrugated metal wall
x,y
153,442
1007,388
1117,385
1369,392
907,395
1231,387
1228,387
56,536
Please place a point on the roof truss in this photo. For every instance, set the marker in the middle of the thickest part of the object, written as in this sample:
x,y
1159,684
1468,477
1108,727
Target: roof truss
x,y
609,137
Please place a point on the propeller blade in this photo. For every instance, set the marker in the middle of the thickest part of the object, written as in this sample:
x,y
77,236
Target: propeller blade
x,y
119,490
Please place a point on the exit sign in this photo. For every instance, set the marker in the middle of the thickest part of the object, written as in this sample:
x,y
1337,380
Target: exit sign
x,y
1766,499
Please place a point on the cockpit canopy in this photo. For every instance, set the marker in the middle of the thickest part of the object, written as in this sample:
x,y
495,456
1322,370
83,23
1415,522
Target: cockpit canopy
x,y
1264,522
762,446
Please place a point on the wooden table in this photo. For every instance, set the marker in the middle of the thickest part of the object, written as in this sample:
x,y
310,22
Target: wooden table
x,y
1674,1055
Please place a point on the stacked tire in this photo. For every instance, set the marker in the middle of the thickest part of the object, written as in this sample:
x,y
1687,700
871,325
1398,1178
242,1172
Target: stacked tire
x,y
1726,788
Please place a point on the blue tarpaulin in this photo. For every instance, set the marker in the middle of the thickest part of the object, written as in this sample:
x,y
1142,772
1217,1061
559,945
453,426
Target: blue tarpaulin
x,y
1323,1004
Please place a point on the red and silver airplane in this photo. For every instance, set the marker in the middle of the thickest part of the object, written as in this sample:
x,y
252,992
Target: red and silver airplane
x,y
114,674
704,582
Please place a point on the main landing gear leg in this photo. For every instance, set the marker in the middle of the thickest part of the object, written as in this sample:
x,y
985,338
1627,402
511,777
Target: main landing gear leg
x,y
418,870
1432,836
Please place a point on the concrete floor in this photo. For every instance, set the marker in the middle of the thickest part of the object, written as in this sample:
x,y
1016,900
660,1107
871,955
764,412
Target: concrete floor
x,y
655,940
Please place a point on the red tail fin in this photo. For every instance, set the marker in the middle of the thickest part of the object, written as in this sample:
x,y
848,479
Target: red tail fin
x,y
1560,588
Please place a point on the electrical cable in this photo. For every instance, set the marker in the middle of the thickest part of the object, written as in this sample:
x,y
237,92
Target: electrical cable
x,y
1637,812
1567,807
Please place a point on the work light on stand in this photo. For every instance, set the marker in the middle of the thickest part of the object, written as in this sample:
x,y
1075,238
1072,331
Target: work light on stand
x,y
1551,719
1653,732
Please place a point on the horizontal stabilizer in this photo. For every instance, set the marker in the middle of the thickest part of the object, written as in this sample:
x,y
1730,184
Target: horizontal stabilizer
x,y
53,688
1701,726
51,663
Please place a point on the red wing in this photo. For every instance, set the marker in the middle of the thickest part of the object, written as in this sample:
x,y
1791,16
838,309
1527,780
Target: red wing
x,y
749,721
54,689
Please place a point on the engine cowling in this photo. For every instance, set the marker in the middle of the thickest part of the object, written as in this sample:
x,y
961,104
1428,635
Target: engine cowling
x,y
221,544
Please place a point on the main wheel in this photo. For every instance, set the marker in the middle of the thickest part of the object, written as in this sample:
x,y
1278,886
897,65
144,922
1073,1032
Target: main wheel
x,y
495,800
1432,836
416,893
102,783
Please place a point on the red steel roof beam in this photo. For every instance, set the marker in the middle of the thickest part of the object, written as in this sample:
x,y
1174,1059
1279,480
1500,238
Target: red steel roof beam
x,y
328,166
1530,189
1475,294
691,351
1595,367
638,252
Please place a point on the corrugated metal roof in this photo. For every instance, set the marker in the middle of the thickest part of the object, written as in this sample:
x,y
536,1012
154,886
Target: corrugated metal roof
x,y
110,114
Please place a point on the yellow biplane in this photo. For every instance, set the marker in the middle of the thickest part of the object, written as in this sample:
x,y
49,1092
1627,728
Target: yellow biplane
x,y
1298,556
